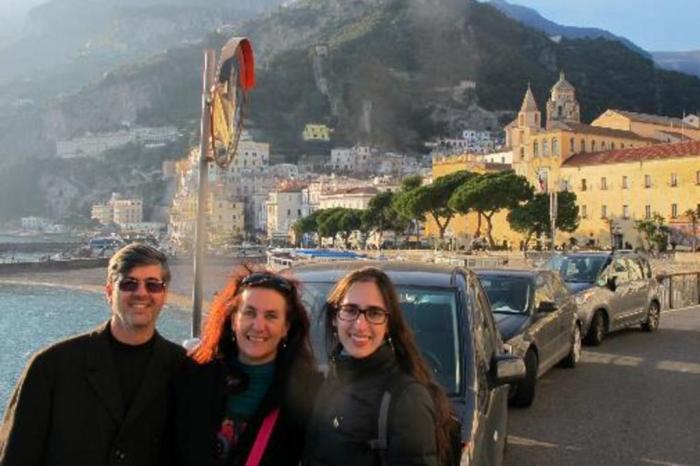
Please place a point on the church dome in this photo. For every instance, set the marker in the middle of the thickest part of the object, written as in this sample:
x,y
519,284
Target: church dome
x,y
562,86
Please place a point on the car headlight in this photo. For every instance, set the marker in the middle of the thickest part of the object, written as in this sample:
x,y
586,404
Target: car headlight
x,y
583,298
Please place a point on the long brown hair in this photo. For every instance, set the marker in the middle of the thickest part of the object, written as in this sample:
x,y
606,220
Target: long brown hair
x,y
408,355
217,337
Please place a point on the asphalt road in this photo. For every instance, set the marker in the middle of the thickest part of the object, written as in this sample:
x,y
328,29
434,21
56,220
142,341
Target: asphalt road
x,y
634,400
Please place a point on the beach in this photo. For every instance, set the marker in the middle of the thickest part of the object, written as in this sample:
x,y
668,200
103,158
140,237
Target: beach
x,y
93,279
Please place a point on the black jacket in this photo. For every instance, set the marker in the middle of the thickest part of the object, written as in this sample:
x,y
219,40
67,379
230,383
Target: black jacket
x,y
200,407
67,408
346,416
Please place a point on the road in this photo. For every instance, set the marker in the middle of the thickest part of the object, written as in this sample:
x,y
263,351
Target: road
x,y
634,400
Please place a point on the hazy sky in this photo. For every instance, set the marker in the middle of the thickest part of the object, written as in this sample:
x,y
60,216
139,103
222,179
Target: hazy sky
x,y
654,25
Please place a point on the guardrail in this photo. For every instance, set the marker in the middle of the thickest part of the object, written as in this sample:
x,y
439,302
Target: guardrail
x,y
679,289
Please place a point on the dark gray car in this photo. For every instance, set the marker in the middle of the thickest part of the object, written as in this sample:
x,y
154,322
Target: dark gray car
x,y
613,291
450,316
536,315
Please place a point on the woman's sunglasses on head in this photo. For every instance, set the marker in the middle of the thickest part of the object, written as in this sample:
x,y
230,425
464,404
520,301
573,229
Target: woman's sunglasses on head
x,y
267,280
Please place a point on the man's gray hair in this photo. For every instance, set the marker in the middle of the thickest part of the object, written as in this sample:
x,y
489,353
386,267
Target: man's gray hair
x,y
136,255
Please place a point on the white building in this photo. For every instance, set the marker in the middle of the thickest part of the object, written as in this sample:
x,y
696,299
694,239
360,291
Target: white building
x,y
284,207
343,159
35,223
119,209
91,145
351,198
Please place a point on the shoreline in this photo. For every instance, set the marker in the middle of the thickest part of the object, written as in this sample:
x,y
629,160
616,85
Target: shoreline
x,y
93,280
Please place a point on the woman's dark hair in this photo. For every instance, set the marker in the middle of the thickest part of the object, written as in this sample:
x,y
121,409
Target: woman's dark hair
x,y
217,337
406,349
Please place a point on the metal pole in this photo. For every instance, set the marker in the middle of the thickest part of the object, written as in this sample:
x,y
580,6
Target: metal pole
x,y
553,216
200,233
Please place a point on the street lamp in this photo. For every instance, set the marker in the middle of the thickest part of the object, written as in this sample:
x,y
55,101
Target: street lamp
x,y
224,97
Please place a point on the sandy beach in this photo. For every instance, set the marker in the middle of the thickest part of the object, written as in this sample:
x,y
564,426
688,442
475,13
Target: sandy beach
x,y
93,279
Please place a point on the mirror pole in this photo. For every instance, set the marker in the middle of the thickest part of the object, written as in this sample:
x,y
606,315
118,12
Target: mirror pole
x,y
200,233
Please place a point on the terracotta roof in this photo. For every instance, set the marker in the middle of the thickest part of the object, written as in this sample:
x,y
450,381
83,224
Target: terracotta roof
x,y
655,152
583,128
677,134
655,119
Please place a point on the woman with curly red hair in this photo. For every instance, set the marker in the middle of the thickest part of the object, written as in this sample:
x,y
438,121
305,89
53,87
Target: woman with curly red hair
x,y
245,395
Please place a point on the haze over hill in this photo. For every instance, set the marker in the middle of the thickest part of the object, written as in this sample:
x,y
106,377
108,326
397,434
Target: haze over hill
x,y
391,73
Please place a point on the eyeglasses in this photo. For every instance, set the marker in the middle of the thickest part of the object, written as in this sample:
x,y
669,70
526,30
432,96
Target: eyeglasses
x,y
373,314
130,285
267,280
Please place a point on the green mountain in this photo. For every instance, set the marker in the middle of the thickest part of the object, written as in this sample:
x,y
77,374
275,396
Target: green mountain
x,y
392,73
397,72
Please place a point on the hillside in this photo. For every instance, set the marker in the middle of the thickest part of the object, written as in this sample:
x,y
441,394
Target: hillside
x,y
532,18
684,62
392,73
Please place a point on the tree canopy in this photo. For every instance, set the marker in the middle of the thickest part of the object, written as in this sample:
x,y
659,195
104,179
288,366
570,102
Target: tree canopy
x,y
532,218
491,193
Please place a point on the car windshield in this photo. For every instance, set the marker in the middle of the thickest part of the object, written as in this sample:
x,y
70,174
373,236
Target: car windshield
x,y
430,312
508,294
577,269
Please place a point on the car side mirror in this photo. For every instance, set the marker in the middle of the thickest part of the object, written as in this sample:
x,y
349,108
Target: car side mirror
x,y
611,283
509,369
546,307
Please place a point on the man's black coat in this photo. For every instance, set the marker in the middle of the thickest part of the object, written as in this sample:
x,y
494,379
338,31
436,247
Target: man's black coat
x,y
67,408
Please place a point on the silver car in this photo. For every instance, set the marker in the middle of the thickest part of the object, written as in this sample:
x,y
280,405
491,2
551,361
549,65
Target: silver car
x,y
613,291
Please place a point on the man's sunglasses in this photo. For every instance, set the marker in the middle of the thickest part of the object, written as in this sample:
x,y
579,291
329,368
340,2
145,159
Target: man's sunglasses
x,y
130,285
266,280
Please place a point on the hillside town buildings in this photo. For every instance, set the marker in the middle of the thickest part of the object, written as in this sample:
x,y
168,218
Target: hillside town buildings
x,y
91,145
623,167
119,210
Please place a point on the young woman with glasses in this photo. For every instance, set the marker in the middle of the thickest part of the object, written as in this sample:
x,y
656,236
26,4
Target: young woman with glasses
x,y
246,394
372,351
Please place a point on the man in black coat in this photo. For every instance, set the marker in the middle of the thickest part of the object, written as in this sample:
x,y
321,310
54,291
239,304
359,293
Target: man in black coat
x,y
101,398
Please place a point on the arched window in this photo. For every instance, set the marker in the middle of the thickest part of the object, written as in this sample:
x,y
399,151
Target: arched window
x,y
592,146
572,144
555,146
545,147
583,145
535,149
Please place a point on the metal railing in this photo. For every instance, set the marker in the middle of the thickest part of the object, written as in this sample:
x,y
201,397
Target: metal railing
x,y
679,289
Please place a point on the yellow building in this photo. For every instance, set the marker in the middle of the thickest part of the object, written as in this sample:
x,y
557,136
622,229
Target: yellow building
x,y
539,151
463,228
314,132
660,128
615,188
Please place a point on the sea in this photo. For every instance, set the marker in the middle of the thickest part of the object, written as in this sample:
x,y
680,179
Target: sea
x,y
32,317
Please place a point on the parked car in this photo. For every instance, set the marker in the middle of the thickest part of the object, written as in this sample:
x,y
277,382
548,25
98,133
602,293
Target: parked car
x,y
613,290
450,316
536,315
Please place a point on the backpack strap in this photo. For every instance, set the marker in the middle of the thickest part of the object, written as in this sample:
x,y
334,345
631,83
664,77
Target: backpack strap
x,y
395,387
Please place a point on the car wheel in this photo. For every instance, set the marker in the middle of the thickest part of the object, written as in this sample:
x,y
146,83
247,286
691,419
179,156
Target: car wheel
x,y
574,356
597,331
525,390
653,316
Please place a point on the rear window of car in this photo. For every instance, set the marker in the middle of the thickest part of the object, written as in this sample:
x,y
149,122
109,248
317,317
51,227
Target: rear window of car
x,y
431,313
507,294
